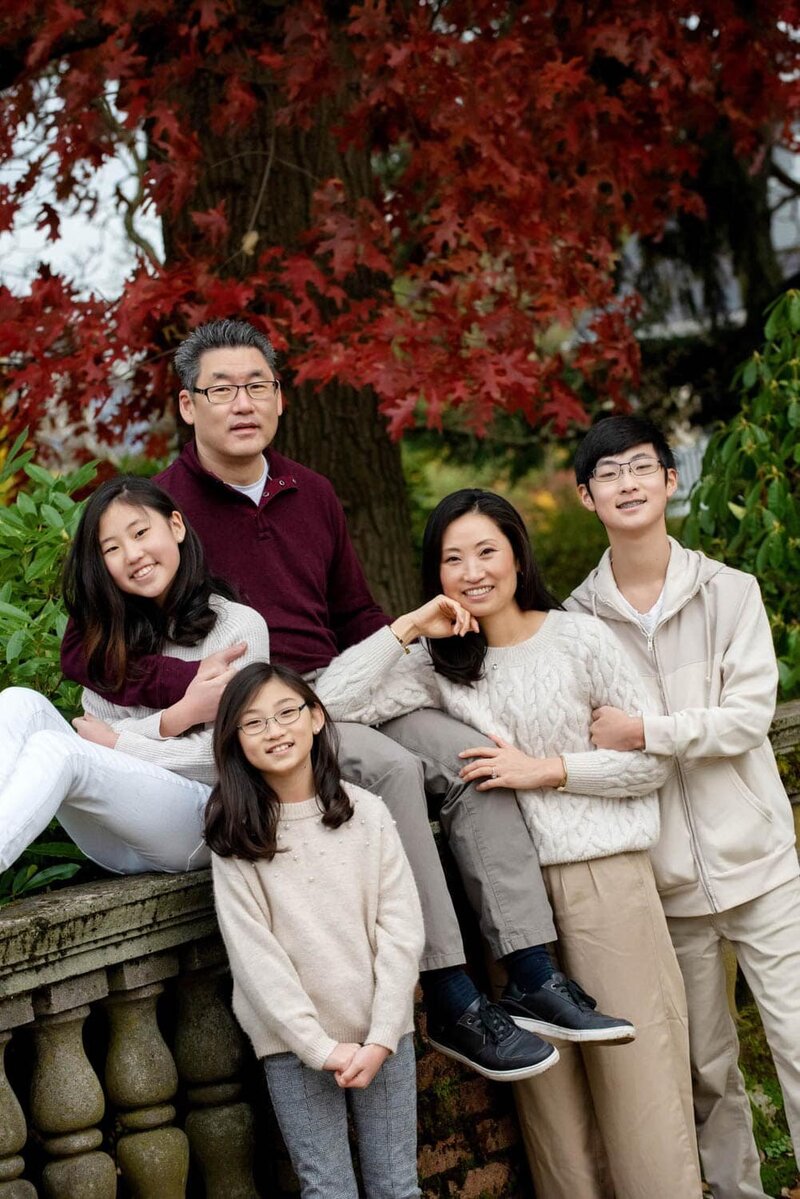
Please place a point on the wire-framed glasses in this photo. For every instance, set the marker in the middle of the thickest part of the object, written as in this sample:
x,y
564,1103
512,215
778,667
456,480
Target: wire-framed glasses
x,y
258,724
606,472
226,393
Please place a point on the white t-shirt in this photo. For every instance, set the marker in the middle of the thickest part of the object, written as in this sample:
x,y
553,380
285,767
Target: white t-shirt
x,y
254,490
648,620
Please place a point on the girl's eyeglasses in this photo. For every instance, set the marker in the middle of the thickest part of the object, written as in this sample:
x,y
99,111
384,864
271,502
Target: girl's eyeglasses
x,y
259,724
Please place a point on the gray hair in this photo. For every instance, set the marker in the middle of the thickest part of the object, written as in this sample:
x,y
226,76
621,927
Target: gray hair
x,y
218,335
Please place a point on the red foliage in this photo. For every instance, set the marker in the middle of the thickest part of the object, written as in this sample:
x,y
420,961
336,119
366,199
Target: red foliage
x,y
516,145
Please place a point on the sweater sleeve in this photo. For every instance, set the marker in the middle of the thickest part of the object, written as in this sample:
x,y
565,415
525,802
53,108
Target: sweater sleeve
x,y
377,680
262,970
610,681
742,718
163,680
400,939
352,610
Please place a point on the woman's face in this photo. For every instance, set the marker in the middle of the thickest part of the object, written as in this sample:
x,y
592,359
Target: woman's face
x,y
141,548
279,750
478,567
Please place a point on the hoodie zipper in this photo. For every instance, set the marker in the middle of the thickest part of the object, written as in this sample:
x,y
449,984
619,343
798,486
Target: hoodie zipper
x,y
698,857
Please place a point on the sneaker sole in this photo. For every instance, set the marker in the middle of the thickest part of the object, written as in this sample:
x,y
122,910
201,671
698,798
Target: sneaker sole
x,y
498,1075
597,1036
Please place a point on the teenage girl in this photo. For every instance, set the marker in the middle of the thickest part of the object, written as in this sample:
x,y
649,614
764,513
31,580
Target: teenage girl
x,y
504,658
323,927
128,784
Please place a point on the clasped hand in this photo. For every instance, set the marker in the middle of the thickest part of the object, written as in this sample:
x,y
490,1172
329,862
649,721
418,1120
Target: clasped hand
x,y
354,1065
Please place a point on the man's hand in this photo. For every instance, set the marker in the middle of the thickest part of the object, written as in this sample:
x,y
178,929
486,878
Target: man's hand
x,y
92,729
611,728
199,704
507,766
365,1064
341,1057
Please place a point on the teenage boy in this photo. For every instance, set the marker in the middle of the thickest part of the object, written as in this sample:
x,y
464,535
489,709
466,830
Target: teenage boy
x,y
726,863
276,530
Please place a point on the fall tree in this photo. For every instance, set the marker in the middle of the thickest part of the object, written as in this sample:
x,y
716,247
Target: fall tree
x,y
422,201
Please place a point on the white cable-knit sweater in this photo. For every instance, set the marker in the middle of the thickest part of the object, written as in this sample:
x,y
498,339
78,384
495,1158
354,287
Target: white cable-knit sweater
x,y
539,696
190,754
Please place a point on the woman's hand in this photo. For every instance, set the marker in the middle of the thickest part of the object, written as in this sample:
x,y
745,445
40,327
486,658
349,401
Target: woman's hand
x,y
201,700
92,729
365,1064
440,617
341,1057
507,766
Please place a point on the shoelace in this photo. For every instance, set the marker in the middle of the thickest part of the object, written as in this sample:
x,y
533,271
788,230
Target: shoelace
x,y
498,1025
577,993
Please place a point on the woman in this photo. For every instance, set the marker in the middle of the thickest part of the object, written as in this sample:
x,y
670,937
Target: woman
x,y
128,784
502,657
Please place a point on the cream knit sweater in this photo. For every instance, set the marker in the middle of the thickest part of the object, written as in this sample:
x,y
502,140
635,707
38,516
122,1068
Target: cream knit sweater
x,y
539,696
191,754
324,941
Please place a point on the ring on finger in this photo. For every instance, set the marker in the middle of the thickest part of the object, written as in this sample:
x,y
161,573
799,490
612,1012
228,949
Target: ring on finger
x,y
494,774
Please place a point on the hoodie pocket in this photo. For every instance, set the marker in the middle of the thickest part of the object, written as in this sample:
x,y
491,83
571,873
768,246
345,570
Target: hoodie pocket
x,y
749,796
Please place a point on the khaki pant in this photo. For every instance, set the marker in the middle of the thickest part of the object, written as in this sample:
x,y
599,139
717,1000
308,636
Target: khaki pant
x,y
765,935
615,1120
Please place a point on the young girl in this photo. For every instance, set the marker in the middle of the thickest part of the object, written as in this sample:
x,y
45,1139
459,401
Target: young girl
x,y
323,927
505,659
128,784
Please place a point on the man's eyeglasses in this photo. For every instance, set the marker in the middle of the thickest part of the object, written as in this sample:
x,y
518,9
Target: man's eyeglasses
x,y
226,393
259,724
606,472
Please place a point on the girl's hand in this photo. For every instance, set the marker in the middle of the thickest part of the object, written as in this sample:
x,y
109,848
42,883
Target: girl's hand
x,y
611,728
341,1057
507,766
365,1064
92,729
440,617
201,700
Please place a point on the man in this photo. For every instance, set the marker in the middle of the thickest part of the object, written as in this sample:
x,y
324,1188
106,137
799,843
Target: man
x,y
726,862
277,531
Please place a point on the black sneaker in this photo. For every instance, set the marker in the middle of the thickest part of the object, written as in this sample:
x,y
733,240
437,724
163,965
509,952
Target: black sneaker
x,y
487,1040
562,1009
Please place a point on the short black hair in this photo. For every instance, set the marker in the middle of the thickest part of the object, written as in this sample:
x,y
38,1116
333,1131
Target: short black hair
x,y
615,435
218,335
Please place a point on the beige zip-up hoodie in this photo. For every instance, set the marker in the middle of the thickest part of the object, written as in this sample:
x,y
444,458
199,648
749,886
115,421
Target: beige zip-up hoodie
x,y
709,672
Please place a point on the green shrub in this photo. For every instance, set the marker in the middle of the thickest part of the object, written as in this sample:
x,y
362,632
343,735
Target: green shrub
x,y
746,507
35,531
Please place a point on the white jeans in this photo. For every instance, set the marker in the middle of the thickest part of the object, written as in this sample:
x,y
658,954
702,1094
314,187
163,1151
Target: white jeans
x,y
126,814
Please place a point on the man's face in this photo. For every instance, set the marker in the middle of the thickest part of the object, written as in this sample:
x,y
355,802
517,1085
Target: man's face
x,y
631,503
236,433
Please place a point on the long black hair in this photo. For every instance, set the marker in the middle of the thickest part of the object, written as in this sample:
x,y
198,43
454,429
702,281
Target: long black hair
x,y
117,628
241,816
461,658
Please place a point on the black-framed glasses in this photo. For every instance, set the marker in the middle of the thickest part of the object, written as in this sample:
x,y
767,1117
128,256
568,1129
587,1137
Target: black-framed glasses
x,y
607,472
226,393
259,724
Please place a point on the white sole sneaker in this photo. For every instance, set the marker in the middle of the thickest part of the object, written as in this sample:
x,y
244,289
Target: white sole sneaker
x,y
621,1035
498,1075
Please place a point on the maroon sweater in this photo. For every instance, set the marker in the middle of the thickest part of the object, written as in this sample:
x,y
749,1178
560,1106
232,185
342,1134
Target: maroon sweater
x,y
290,558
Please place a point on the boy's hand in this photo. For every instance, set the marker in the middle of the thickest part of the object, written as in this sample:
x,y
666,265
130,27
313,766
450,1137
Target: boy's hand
x,y
341,1057
365,1064
612,728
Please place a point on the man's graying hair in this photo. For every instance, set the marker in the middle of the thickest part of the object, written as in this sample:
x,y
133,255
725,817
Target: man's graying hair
x,y
218,335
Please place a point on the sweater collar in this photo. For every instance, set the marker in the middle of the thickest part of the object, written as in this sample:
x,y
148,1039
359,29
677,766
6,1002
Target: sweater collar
x,y
304,810
282,473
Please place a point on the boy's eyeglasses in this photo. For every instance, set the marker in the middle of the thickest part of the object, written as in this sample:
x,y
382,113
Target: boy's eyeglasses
x,y
259,724
608,471
226,393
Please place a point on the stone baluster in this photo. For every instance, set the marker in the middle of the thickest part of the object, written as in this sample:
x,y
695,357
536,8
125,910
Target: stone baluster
x,y
209,1051
13,1130
66,1098
141,1080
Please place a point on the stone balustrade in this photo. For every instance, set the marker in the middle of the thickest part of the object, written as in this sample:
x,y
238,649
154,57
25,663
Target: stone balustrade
x,y
120,1059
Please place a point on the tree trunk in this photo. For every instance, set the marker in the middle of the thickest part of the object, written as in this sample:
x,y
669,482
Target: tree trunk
x,y
267,175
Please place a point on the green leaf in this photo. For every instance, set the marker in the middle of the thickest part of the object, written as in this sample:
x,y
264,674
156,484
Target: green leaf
x,y
39,474
52,516
737,510
15,644
750,373
26,504
7,609
55,849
